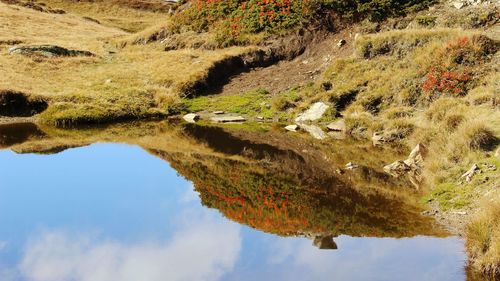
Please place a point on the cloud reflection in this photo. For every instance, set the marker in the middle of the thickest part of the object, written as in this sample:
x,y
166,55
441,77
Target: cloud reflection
x,y
415,259
204,250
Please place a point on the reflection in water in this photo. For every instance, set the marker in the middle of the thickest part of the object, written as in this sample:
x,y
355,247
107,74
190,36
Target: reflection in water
x,y
325,243
112,212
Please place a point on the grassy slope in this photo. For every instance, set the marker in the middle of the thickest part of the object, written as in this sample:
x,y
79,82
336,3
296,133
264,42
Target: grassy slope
x,y
136,81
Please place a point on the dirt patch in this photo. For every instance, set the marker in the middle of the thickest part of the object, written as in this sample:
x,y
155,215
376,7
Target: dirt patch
x,y
281,64
315,56
17,104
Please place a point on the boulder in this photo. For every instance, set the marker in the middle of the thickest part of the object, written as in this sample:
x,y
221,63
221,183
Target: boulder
x,y
191,117
417,156
228,119
338,126
48,51
292,128
315,131
397,168
315,112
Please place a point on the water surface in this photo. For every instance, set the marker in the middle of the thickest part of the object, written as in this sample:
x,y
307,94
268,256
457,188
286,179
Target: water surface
x,y
119,212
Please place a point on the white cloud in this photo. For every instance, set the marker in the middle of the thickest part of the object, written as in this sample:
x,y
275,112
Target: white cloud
x,y
370,259
3,245
190,195
204,249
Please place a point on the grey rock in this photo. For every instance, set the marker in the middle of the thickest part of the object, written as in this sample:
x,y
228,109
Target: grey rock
x,y
292,128
341,43
228,119
338,126
315,131
219,112
315,112
397,168
417,156
471,173
191,117
48,51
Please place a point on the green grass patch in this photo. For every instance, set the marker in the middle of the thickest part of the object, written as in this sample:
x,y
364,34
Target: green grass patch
x,y
250,104
451,196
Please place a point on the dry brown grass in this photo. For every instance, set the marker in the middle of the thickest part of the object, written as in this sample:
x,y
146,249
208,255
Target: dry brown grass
x,y
128,15
483,239
132,82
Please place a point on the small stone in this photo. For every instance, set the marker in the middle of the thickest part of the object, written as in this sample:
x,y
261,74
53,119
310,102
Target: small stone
x,y
341,43
315,131
219,112
351,166
260,118
471,173
191,117
458,4
228,119
292,128
338,126
497,153
315,112
108,81
397,168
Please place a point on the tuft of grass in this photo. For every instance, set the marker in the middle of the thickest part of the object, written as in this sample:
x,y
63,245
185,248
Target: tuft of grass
x,y
401,42
483,239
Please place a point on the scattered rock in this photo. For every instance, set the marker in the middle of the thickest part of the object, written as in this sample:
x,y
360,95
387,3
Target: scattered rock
x,y
341,43
260,118
315,112
191,117
491,167
351,166
315,131
108,81
412,166
417,156
430,213
471,173
228,119
397,168
458,4
497,153
460,213
48,51
292,128
338,126
219,112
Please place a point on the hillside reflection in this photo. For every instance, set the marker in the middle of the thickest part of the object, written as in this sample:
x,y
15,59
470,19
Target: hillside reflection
x,y
264,179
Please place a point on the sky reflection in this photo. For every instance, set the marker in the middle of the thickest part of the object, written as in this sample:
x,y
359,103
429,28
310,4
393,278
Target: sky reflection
x,y
114,212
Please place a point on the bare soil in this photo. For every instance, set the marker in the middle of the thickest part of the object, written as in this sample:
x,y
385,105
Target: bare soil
x,y
300,71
